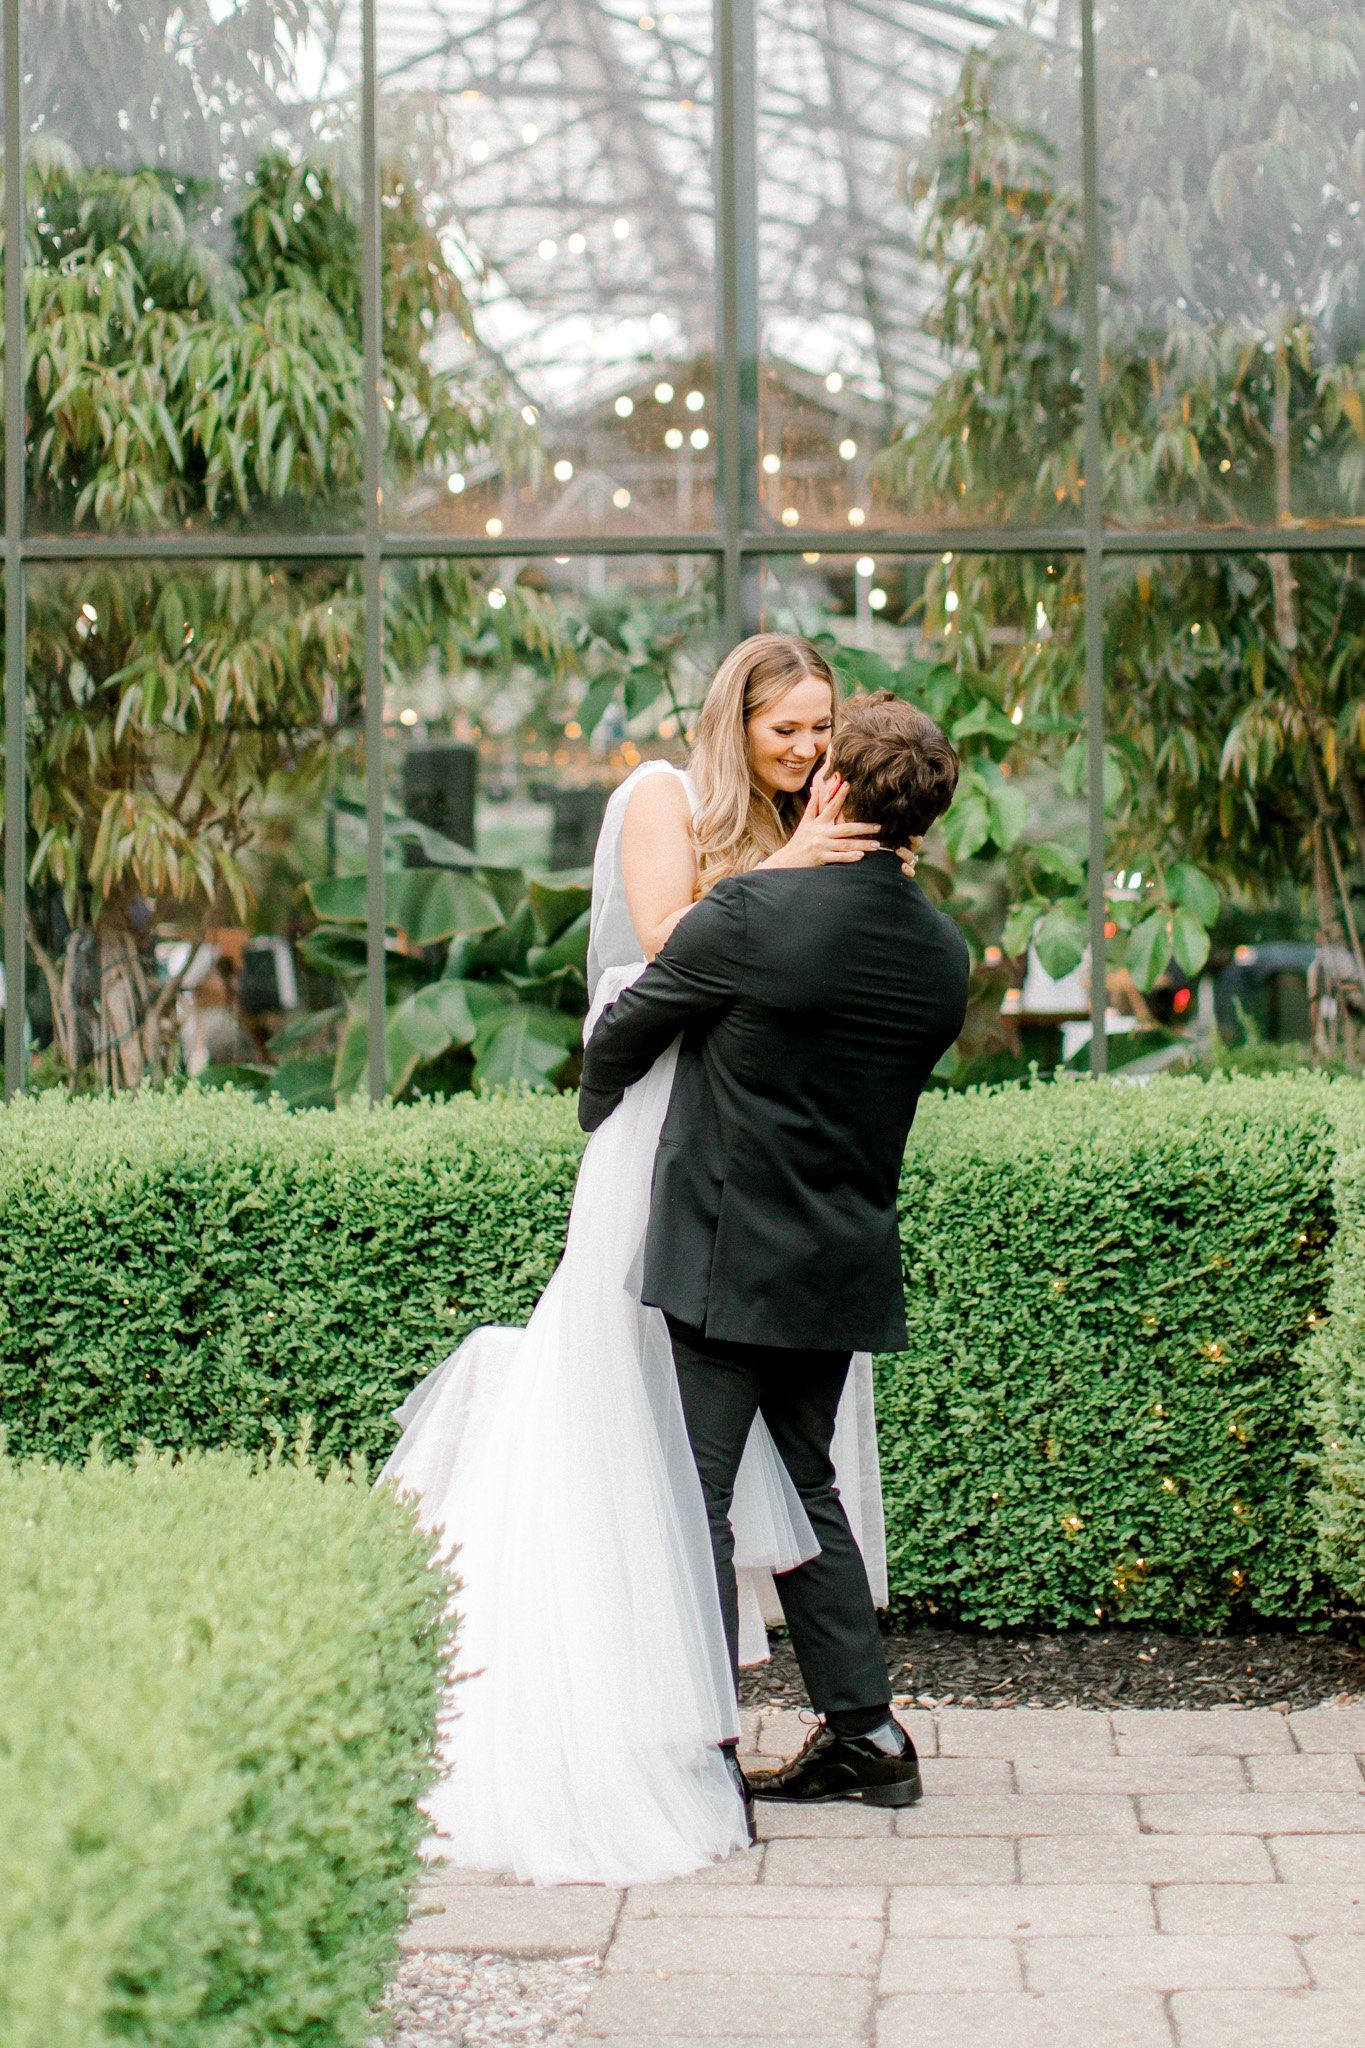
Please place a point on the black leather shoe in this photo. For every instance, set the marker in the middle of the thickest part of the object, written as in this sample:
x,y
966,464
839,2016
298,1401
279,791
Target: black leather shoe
x,y
741,1783
879,1768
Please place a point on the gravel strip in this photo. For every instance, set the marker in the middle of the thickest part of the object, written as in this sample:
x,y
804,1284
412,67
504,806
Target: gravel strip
x,y
933,1667
453,2001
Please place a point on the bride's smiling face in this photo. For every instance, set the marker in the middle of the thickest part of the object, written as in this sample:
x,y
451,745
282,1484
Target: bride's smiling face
x,y
788,737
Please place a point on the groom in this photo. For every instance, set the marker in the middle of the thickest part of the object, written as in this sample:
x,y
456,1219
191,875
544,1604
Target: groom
x,y
812,1003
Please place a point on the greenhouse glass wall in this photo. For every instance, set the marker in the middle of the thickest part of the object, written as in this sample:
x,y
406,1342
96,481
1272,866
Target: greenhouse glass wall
x,y
405,403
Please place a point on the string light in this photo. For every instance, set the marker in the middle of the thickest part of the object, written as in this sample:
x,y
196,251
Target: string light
x,y
856,515
951,601
478,151
790,515
699,437
530,415
864,566
673,438
663,392
771,464
577,243
620,498
810,558
407,717
624,407
530,133
694,401
848,449
493,528
877,600
620,228
497,597
563,470
834,382
547,250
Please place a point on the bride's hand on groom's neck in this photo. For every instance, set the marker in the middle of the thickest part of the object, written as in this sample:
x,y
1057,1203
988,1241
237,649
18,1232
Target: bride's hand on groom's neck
x,y
824,837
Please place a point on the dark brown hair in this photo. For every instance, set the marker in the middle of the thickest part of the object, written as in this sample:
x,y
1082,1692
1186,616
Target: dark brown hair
x,y
900,769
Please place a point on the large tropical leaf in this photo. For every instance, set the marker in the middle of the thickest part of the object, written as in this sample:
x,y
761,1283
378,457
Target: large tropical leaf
x,y
570,950
1149,948
425,904
1059,942
555,906
433,845
523,1043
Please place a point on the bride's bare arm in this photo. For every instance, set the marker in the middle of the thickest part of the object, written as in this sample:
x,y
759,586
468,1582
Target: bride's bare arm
x,y
657,859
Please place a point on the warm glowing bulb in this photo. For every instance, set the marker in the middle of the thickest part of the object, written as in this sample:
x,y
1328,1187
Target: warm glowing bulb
x,y
407,717
663,392
620,228
810,558
877,600
624,407
492,527
620,499
864,566
856,515
547,250
478,152
848,449
834,382
699,437
530,133
530,415
577,244
455,484
694,401
790,515
563,470
497,598
951,601
673,438
771,464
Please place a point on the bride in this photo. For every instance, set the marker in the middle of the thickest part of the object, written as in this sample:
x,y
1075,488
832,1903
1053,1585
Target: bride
x,y
585,1743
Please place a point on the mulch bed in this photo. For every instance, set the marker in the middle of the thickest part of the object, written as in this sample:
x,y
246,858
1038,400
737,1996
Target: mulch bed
x,y
935,1667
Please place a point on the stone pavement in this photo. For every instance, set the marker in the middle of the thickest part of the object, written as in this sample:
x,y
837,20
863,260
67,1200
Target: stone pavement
x,y
1108,1880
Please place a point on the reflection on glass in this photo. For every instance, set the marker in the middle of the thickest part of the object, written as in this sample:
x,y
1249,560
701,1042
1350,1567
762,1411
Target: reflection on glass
x,y
559,160
1230,169
194,345
920,254
194,777
505,733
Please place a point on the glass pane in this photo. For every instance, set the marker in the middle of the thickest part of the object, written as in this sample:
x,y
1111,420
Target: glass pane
x,y
194,294
517,696
992,647
1236,727
920,211
195,809
1234,342
548,180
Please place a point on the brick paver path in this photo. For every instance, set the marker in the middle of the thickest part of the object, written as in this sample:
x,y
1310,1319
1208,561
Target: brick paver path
x,y
1124,1880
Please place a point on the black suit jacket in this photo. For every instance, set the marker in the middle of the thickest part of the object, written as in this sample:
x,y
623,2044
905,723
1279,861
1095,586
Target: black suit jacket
x,y
812,1005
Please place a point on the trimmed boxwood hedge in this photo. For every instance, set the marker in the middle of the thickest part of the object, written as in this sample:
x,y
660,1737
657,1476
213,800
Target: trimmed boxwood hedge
x,y
1103,1409
218,1707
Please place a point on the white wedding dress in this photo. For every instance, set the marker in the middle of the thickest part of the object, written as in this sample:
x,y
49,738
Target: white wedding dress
x,y
581,1741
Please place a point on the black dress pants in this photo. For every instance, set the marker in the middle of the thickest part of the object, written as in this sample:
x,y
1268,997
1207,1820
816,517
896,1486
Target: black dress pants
x,y
826,1602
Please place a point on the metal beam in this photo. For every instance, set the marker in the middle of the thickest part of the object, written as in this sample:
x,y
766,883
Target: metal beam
x,y
373,304
16,794
1094,543
736,103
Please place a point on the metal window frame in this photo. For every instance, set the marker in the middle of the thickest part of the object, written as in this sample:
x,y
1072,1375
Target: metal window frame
x,y
736,546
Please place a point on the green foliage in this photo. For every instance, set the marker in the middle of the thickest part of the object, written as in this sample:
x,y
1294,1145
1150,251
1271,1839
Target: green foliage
x,y
1232,382
220,1707
197,1270
1101,1409
1336,1356
1107,1288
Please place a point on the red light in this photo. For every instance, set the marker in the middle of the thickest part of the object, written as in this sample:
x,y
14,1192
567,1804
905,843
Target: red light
x,y
1111,930
1181,1002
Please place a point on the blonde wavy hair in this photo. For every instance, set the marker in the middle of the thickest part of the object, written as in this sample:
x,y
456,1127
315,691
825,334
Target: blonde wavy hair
x,y
737,824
